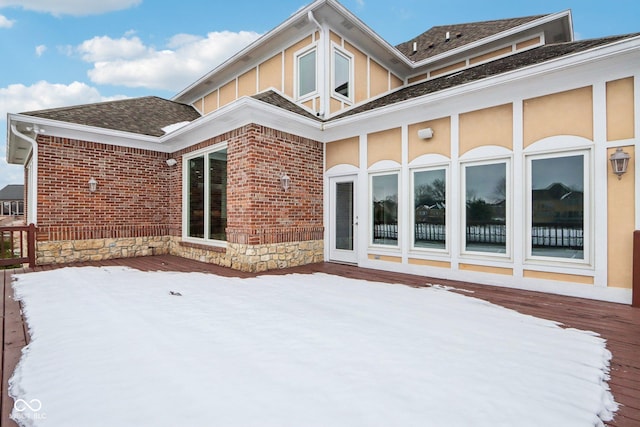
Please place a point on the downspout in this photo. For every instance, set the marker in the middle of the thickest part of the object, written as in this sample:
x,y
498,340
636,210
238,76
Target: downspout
x,y
321,65
32,211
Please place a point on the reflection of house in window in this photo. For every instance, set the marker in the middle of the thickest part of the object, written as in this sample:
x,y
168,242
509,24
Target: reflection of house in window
x,y
558,204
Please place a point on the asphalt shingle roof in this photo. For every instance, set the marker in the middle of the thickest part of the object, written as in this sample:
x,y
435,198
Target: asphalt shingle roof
x,y
274,98
432,42
146,115
510,63
12,192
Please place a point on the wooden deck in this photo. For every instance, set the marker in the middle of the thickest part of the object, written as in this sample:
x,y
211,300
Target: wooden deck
x,y
619,324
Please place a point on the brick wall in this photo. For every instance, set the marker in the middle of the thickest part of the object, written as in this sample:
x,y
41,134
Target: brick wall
x,y
139,196
130,200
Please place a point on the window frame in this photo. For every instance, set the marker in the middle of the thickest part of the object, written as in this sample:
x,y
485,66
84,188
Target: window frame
x,y
337,50
447,219
205,152
398,244
313,48
587,224
464,252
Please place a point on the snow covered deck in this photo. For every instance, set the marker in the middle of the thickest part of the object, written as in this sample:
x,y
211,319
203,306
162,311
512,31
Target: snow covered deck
x,y
618,324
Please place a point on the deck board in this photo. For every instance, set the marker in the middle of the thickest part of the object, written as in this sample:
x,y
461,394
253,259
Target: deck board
x,y
618,324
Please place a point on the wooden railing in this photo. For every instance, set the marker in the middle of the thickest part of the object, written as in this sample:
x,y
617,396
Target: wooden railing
x,y
18,245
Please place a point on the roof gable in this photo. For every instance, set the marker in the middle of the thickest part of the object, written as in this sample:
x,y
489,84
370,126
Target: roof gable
x,y
510,63
145,116
434,42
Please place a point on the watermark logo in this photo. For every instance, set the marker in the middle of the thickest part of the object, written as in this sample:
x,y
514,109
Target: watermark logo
x,y
33,405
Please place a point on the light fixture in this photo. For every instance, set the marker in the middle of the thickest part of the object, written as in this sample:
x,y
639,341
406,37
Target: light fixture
x,y
426,133
285,181
93,185
619,162
172,162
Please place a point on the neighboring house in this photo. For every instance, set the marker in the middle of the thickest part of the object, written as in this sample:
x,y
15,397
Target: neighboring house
x,y
308,143
12,200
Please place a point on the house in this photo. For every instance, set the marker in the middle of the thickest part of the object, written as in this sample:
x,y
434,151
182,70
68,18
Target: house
x,y
315,143
12,200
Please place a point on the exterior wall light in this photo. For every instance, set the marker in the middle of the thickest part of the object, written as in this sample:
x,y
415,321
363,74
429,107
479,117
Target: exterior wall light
x,y
426,133
172,162
619,162
93,185
285,181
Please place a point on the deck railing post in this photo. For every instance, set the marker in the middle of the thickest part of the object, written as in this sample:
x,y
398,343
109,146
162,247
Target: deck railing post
x,y
635,299
31,239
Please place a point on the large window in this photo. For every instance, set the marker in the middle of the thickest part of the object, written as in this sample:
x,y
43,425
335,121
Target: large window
x,y
557,206
306,66
429,209
384,197
486,208
207,196
341,74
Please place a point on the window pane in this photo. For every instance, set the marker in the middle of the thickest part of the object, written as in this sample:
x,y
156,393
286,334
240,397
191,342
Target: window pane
x,y
486,208
196,197
341,74
557,201
429,198
218,195
385,209
344,216
307,73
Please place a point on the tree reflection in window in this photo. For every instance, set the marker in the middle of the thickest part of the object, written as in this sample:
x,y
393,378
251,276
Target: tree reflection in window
x,y
486,208
385,209
429,204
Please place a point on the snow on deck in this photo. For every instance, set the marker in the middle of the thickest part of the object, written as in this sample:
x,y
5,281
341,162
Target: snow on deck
x,y
116,346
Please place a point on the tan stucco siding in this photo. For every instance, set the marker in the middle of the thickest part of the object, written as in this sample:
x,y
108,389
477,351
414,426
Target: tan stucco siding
x,y
429,263
270,73
448,68
379,78
489,126
396,81
621,223
527,43
559,277
490,55
486,269
386,258
563,113
198,105
359,72
417,78
228,93
439,144
620,109
211,102
247,83
335,105
384,145
344,151
289,60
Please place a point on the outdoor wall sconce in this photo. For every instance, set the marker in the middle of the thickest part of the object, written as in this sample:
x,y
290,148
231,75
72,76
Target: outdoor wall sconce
x,y
93,185
426,133
285,181
619,162
172,162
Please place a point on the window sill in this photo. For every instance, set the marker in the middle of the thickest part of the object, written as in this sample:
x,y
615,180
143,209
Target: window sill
x,y
205,247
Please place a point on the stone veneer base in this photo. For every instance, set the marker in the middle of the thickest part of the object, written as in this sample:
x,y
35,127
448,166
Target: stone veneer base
x,y
243,257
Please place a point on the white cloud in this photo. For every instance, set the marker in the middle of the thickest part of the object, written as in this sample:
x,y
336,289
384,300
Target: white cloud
x,y
127,61
6,22
104,49
18,98
72,7
40,49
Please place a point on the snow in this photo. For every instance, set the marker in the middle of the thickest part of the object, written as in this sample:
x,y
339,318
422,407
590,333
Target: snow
x,y
174,127
116,346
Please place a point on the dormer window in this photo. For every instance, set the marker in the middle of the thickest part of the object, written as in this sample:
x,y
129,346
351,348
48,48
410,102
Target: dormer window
x,y
342,75
306,73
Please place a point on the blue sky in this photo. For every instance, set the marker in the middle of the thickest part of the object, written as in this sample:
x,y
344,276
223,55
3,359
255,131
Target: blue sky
x,y
66,52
